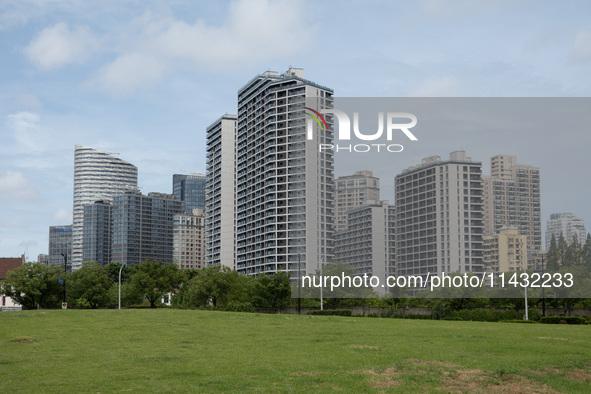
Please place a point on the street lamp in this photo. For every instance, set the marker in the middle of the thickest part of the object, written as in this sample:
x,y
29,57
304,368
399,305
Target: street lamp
x,y
120,285
543,293
299,286
65,255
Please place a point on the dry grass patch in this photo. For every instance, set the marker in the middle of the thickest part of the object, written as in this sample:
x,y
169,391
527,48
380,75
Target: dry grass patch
x,y
309,373
428,363
364,347
478,381
25,339
383,379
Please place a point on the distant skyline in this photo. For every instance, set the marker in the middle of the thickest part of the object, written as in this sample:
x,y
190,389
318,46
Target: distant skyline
x,y
145,78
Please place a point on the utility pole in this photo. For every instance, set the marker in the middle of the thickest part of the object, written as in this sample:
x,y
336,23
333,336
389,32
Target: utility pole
x,y
65,255
543,293
299,286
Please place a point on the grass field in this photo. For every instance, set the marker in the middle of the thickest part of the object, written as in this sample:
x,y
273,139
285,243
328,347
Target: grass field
x,y
201,351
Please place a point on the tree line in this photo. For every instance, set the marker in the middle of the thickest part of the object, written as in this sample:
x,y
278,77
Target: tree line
x,y
95,286
34,285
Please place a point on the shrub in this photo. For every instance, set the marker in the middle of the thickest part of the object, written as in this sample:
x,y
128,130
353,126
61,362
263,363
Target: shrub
x,y
441,310
487,315
534,314
235,306
561,319
391,312
332,312
520,321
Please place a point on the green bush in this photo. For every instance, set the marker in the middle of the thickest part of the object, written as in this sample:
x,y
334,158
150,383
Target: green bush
x,y
332,312
441,310
235,306
418,317
561,319
488,315
519,321
391,312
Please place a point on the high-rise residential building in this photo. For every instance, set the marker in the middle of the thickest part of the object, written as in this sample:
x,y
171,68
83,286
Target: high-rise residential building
x,y
60,245
439,210
284,184
98,231
220,200
505,251
353,191
190,189
367,244
512,199
143,227
188,241
43,259
568,225
97,175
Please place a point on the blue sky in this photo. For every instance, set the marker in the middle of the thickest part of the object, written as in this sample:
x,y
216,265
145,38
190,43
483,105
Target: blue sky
x,y
145,78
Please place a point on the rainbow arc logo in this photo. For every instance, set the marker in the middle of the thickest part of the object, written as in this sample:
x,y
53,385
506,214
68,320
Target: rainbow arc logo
x,y
321,122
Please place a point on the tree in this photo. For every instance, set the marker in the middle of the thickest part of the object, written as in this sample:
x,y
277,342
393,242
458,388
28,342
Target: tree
x,y
586,252
552,257
34,284
274,290
562,251
210,287
153,279
572,255
89,286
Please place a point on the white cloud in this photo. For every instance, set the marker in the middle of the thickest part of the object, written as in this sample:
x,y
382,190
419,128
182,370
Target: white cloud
x,y
437,87
63,216
28,101
58,46
13,186
26,130
129,72
582,45
254,32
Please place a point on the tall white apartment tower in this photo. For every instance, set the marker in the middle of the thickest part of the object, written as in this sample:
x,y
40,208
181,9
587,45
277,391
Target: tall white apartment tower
x,y
220,193
284,184
512,199
439,209
568,225
352,191
97,176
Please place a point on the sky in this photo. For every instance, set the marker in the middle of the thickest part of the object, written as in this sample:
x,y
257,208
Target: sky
x,y
144,79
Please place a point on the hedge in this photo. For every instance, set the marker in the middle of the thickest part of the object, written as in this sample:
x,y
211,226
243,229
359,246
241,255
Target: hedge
x,y
332,312
561,319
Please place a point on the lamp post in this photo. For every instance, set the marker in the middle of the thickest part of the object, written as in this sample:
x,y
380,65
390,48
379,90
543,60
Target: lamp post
x,y
120,285
321,283
299,286
526,307
65,255
543,293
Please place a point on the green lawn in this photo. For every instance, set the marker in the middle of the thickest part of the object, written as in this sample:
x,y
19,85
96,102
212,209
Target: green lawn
x,y
197,351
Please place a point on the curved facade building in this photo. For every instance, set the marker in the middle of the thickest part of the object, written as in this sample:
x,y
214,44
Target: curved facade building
x,y
97,176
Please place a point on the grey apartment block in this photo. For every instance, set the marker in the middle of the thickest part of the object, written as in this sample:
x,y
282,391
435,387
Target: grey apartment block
x,y
98,230
512,199
220,196
284,185
368,243
353,191
568,225
439,217
143,227
97,175
60,244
